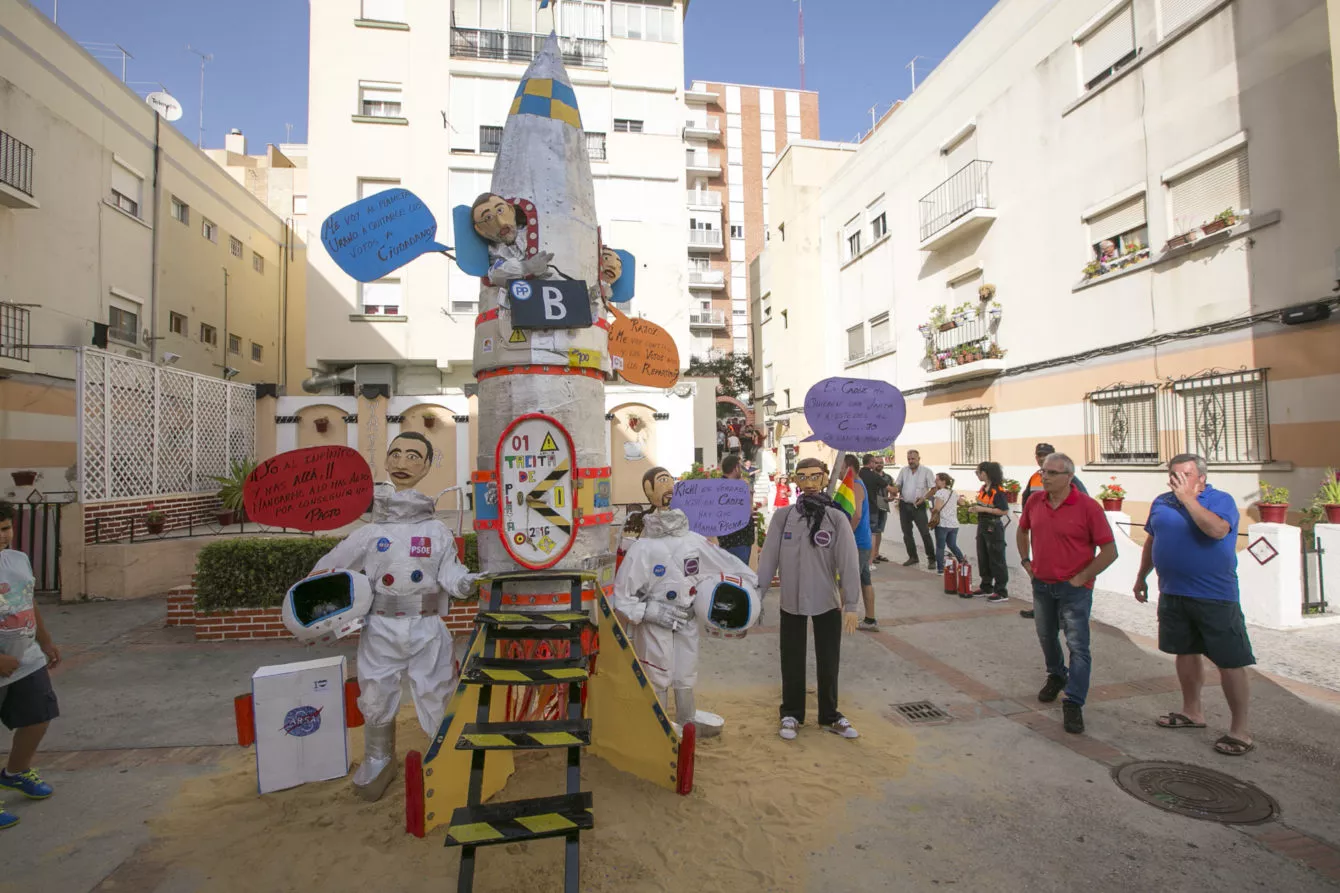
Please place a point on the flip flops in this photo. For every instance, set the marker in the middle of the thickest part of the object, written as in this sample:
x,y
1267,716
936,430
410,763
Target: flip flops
x,y
1177,721
1234,747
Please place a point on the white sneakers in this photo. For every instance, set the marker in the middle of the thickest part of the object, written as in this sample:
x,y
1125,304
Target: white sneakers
x,y
789,727
841,728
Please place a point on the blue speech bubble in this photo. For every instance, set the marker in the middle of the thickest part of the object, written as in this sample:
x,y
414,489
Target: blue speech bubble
x,y
855,414
379,234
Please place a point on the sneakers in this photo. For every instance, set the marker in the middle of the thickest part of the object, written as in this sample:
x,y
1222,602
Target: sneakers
x,y
7,819
842,728
930,565
1051,689
29,784
996,597
981,590
1072,717
911,562
869,625
965,595
1027,614
789,727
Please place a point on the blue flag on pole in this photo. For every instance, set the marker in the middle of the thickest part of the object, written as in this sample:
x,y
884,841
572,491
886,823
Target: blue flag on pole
x,y
544,3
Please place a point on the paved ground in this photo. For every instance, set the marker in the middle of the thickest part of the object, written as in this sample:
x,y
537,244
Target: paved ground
x,y
996,798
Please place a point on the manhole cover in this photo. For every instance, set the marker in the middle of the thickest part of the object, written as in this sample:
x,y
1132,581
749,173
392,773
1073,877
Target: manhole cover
x,y
1196,792
921,711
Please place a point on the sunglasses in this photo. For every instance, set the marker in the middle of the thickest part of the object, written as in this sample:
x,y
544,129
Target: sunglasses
x,y
811,476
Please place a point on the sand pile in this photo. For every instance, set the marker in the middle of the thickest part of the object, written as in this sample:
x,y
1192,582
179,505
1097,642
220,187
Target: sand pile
x,y
760,805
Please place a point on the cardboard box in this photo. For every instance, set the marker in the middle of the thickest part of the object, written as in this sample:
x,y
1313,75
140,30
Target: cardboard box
x,y
301,734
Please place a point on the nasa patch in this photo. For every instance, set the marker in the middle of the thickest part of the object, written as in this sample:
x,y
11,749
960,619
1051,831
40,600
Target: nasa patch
x,y
659,570
302,721
383,544
823,538
691,567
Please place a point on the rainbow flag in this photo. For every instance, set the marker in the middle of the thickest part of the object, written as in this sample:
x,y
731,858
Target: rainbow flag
x,y
845,497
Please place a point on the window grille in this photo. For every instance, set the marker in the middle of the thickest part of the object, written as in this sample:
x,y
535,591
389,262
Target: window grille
x,y
627,125
970,436
595,145
123,325
1225,416
1121,425
490,140
235,246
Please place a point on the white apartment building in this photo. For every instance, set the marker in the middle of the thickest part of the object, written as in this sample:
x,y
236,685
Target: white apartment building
x,y
1140,188
415,93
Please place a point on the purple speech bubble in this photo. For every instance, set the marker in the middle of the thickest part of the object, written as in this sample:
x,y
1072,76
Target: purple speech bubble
x,y
715,506
855,414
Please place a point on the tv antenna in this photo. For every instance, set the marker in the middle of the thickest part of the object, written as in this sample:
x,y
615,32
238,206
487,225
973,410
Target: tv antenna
x,y
802,43
913,66
108,52
204,57
288,132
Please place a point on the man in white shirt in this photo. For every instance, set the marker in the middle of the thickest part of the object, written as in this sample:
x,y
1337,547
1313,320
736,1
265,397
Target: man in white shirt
x,y
733,442
914,485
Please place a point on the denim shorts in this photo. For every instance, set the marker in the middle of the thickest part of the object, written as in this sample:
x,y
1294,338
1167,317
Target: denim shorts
x,y
29,702
878,518
863,556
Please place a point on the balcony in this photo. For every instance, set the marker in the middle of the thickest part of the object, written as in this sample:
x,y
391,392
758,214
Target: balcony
x,y
963,348
707,319
957,207
704,165
705,240
701,97
710,131
709,279
16,173
14,332
521,47
710,201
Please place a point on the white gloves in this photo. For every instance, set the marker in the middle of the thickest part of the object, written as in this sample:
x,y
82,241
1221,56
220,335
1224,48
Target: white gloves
x,y
539,264
672,617
508,270
467,586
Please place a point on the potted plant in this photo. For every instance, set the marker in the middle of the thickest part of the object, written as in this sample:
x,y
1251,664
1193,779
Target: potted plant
x,y
321,425
1274,504
155,520
429,421
1328,497
1112,495
1093,268
995,311
986,292
23,478
925,330
1222,220
940,318
962,314
230,491
1011,490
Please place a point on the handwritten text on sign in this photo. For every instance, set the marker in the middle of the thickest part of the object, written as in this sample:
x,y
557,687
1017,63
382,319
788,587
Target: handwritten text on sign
x,y
855,414
643,352
317,488
715,506
381,233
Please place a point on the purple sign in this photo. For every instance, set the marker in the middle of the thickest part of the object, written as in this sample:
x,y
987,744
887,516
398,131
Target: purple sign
x,y
715,506
855,414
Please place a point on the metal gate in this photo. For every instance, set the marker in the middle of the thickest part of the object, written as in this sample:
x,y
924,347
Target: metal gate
x,y
37,533
1314,581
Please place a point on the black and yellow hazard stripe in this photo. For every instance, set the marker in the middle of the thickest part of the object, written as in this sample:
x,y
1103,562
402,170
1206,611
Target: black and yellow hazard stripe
x,y
503,671
530,735
536,503
504,619
521,820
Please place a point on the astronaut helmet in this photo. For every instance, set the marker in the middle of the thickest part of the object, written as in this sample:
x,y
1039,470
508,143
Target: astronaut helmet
x,y
727,607
327,606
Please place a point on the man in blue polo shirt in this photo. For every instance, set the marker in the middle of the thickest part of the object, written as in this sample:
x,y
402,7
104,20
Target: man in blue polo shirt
x,y
1192,543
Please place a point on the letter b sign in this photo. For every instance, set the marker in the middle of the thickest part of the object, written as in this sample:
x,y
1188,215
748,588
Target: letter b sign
x,y
551,304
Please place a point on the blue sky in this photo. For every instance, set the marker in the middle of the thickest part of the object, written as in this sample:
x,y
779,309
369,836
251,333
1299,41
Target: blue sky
x,y
856,53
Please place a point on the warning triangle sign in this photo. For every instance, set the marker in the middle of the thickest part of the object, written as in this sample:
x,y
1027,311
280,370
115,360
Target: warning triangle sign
x,y
517,337
548,446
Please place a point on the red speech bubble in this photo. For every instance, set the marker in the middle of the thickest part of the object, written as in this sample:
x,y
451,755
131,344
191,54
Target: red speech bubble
x,y
316,488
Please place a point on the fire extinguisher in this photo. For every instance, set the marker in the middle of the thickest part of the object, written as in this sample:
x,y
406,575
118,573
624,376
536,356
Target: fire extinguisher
x,y
951,576
965,579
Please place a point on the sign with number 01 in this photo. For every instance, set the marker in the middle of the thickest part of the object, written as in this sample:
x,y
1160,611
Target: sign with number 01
x,y
534,461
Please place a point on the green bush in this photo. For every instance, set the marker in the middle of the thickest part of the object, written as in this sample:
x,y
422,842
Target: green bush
x,y
256,572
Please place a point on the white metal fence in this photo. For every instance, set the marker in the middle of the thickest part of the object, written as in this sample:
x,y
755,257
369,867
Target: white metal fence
x,y
145,430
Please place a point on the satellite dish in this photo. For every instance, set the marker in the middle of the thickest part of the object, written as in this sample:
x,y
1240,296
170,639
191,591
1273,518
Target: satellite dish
x,y
165,104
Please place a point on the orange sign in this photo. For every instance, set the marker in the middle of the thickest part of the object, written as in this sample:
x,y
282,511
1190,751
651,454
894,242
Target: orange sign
x,y
643,352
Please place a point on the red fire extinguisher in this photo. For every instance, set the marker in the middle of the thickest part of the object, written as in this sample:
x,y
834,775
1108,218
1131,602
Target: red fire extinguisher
x,y
951,576
964,578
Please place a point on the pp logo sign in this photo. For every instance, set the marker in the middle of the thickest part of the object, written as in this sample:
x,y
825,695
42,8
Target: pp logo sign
x,y
521,290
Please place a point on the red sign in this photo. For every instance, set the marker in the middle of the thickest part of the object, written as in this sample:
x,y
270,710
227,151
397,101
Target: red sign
x,y
317,488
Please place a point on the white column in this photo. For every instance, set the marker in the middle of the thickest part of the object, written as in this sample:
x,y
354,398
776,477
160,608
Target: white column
x,y
463,458
1272,593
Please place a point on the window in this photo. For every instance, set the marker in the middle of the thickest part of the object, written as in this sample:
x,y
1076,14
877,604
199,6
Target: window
x,y
379,100
960,153
965,291
970,436
235,246
490,140
786,392
384,10
209,230
627,125
1121,425
381,298
1107,47
127,189
181,212
209,335
786,319
257,262
1210,190
256,351
176,323
1225,417
368,187
580,18
595,145
638,21
879,227
123,325
464,306
1119,232
852,233
855,342
736,231
767,378
235,344
299,205
1173,14
881,334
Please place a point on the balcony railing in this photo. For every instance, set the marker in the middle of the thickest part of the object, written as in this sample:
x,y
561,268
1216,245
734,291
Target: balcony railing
x,y
707,278
705,238
16,164
702,129
14,332
517,46
704,199
702,164
708,319
965,191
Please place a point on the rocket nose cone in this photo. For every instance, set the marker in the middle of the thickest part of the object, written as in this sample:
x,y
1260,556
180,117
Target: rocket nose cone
x,y
549,63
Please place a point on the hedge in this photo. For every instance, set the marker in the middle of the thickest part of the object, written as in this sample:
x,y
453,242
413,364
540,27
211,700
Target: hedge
x,y
256,572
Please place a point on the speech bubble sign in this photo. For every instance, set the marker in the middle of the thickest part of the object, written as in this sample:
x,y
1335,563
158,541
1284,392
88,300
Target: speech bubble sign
x,y
715,506
379,234
643,352
315,488
855,414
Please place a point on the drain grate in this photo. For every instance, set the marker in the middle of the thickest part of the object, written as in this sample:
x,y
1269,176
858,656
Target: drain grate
x,y
1196,792
921,711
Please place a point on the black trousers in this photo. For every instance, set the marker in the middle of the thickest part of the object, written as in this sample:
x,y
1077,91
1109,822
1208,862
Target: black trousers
x,y
991,554
827,654
909,515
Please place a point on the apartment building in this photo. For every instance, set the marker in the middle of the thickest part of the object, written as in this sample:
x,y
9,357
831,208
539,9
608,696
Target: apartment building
x,y
733,136
1106,224
278,177
115,228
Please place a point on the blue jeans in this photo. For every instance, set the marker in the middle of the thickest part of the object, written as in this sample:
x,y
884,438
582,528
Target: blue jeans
x,y
1060,607
741,552
946,536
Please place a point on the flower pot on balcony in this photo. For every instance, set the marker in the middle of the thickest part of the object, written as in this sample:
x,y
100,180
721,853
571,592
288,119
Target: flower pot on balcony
x,y
429,421
1332,514
321,425
1177,242
155,527
1272,513
925,329
23,478
1112,505
1215,226
946,326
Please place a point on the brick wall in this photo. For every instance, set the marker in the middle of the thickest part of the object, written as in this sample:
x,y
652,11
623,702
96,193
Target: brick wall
x,y
109,521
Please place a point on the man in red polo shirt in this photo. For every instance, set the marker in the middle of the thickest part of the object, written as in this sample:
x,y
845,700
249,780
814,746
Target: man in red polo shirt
x,y
1071,544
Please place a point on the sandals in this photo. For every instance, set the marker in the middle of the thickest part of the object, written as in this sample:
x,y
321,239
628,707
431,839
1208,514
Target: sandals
x,y
1233,747
1177,721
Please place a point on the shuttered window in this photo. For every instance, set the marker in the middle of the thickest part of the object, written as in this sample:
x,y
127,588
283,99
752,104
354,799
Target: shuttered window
x,y
965,291
881,334
126,189
1208,191
384,10
1108,46
1173,14
856,342
1115,221
961,153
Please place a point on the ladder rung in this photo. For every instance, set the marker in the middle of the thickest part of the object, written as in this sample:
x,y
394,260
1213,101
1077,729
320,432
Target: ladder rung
x,y
514,619
521,820
535,735
503,671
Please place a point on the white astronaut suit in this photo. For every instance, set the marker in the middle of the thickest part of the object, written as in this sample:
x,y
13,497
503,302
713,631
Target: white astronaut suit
x,y
657,589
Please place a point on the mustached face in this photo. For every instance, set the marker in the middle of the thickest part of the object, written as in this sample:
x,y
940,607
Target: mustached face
x,y
495,220
811,479
406,463
659,490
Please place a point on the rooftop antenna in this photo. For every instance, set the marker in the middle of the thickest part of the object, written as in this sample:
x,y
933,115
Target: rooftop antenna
x,y
102,50
913,66
288,132
802,43
204,57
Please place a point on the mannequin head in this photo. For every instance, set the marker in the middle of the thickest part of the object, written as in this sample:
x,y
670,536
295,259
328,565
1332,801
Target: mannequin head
x,y
495,219
658,485
611,266
408,460
811,475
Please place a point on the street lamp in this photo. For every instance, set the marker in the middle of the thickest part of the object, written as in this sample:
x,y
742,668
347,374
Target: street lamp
x,y
769,410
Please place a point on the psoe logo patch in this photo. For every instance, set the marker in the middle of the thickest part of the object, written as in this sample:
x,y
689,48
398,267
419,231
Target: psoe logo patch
x,y
302,721
823,538
383,544
690,567
420,547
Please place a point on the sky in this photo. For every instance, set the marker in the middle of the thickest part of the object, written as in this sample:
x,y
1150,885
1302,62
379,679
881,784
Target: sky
x,y
856,54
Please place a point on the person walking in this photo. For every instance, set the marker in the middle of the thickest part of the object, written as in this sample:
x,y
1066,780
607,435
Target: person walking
x,y
1192,535
880,487
1064,543
1040,453
992,508
733,442
739,543
944,520
914,485
860,526
811,547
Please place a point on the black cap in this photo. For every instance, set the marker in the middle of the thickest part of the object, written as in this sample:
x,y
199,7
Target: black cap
x,y
1044,449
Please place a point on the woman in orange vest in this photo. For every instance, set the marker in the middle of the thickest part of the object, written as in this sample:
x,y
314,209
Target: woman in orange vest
x,y
991,508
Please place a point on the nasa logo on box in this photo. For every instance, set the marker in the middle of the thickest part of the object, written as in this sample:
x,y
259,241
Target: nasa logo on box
x,y
302,721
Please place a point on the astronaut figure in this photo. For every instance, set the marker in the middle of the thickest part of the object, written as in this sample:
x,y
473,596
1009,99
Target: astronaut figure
x,y
409,557
503,226
662,589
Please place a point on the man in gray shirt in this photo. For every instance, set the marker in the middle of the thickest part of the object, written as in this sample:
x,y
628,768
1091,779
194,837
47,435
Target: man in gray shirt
x,y
811,547
914,485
